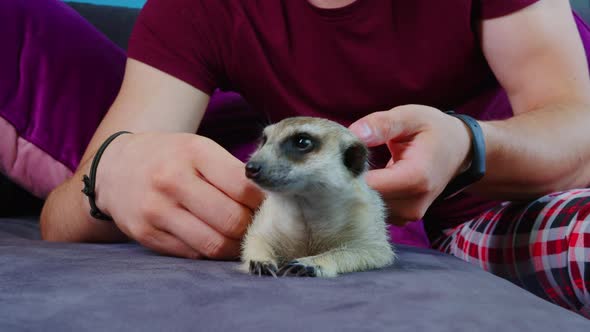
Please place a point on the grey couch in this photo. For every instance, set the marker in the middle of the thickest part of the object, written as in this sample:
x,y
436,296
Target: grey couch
x,y
124,287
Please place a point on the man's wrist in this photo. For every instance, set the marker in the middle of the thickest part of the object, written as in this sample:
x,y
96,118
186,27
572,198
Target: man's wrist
x,y
90,178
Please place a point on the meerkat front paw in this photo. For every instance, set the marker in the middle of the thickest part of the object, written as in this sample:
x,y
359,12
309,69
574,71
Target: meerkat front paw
x,y
297,268
262,268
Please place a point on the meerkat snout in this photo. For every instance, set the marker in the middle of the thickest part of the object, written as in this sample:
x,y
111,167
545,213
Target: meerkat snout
x,y
253,170
319,218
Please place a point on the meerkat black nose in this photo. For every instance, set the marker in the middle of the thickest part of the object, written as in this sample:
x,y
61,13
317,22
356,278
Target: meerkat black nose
x,y
253,169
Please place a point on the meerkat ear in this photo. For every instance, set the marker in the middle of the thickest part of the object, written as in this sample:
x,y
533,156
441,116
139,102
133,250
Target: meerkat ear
x,y
356,158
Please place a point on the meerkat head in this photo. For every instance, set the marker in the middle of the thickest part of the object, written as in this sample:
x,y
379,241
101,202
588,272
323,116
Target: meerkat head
x,y
305,154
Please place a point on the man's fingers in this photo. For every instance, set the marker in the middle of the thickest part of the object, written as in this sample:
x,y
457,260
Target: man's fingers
x,y
166,244
227,173
212,206
405,210
399,213
199,236
390,163
400,180
380,127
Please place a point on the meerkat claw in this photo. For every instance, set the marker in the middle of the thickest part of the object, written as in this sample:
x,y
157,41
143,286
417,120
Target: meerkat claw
x,y
297,269
263,268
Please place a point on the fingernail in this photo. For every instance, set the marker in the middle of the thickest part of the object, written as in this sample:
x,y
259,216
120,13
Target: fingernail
x,y
364,132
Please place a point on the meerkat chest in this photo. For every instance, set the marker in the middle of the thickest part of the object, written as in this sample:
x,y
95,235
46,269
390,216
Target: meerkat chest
x,y
281,219
292,230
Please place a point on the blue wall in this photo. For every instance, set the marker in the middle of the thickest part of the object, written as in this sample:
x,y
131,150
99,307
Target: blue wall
x,y
125,3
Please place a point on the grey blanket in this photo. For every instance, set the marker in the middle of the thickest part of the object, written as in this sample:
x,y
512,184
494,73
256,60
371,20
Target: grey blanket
x,y
123,287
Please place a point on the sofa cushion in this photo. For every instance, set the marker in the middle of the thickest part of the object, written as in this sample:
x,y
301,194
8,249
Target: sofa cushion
x,y
124,287
16,201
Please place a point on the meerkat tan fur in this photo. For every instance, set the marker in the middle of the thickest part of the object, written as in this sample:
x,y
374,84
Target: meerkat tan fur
x,y
320,218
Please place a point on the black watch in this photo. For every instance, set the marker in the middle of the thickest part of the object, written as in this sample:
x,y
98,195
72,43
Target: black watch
x,y
477,168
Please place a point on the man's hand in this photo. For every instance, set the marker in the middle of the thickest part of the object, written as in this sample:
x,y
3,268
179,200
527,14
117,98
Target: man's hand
x,y
428,148
178,194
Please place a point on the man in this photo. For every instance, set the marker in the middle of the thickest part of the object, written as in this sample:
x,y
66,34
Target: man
x,y
373,65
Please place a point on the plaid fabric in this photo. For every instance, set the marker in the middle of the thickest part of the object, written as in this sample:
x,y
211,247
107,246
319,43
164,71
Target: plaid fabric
x,y
542,246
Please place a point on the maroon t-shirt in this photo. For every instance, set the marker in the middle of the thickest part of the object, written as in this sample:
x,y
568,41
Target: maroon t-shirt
x,y
287,57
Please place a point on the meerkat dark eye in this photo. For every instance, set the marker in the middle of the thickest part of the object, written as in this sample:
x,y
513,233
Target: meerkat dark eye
x,y
303,143
299,145
263,139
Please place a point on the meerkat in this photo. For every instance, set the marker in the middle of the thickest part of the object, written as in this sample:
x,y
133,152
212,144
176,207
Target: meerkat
x,y
319,217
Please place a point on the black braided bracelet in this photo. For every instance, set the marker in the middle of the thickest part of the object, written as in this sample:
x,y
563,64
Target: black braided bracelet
x,y
90,181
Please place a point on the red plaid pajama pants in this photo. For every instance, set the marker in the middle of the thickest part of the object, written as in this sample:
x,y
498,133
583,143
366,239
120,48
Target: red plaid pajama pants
x,y
542,246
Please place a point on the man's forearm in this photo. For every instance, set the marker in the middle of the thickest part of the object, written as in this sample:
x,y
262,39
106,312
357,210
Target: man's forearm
x,y
537,152
65,218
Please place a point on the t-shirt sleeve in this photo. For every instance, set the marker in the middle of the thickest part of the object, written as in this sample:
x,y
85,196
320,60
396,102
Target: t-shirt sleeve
x,y
181,38
495,8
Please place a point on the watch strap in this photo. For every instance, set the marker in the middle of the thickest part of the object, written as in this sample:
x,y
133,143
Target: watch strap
x,y
477,167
